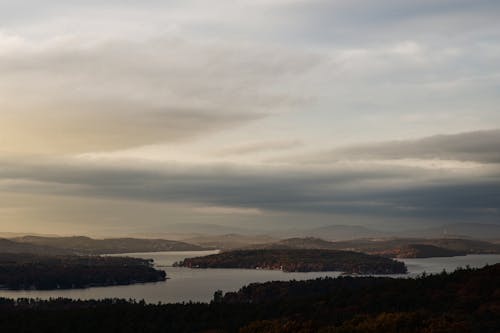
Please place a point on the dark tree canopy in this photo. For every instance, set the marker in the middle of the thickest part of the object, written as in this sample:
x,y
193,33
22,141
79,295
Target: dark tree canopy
x,y
299,260
464,301
29,271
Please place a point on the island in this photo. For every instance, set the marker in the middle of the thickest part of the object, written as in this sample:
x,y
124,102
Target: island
x,y
299,260
43,272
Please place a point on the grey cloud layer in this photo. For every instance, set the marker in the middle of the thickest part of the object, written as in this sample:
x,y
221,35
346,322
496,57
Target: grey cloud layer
x,y
362,190
479,146
257,147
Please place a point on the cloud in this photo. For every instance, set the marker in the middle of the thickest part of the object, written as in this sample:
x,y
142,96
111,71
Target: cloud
x,y
258,147
217,210
92,70
478,146
365,22
77,95
351,189
243,81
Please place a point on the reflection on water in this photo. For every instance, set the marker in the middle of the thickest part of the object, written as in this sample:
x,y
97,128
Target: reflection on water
x,y
185,284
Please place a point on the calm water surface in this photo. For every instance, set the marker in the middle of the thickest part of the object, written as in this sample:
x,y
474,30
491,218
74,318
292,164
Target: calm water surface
x,y
198,285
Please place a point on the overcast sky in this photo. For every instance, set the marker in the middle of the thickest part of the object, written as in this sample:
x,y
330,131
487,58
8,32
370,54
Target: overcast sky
x,y
130,116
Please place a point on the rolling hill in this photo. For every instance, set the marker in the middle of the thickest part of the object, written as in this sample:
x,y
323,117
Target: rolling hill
x,y
86,245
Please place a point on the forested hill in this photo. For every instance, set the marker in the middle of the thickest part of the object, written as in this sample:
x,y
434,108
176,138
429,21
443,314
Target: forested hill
x,y
420,251
394,248
299,260
86,245
464,301
10,246
31,271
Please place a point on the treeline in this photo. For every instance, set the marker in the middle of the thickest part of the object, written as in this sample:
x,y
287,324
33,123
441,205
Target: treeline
x,y
299,260
464,301
421,251
88,246
30,271
393,248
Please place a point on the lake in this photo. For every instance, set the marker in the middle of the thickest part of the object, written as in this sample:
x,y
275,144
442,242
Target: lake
x,y
198,285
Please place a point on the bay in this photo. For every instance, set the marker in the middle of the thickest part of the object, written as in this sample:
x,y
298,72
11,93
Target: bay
x,y
198,285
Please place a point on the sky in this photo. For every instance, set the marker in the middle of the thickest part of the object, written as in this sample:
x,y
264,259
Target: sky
x,y
122,117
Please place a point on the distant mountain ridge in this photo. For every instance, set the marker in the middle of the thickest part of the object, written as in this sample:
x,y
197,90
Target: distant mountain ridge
x,y
343,232
338,232
86,245
13,247
229,241
460,230
420,251
358,238
398,247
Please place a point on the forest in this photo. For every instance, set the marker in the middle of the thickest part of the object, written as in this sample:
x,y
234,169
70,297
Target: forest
x,y
31,271
82,245
467,300
299,260
390,247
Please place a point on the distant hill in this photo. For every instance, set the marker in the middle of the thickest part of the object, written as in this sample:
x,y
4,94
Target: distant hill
x,y
460,230
9,246
420,251
453,230
229,241
207,229
308,243
398,247
461,245
87,245
342,232
8,235
297,243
